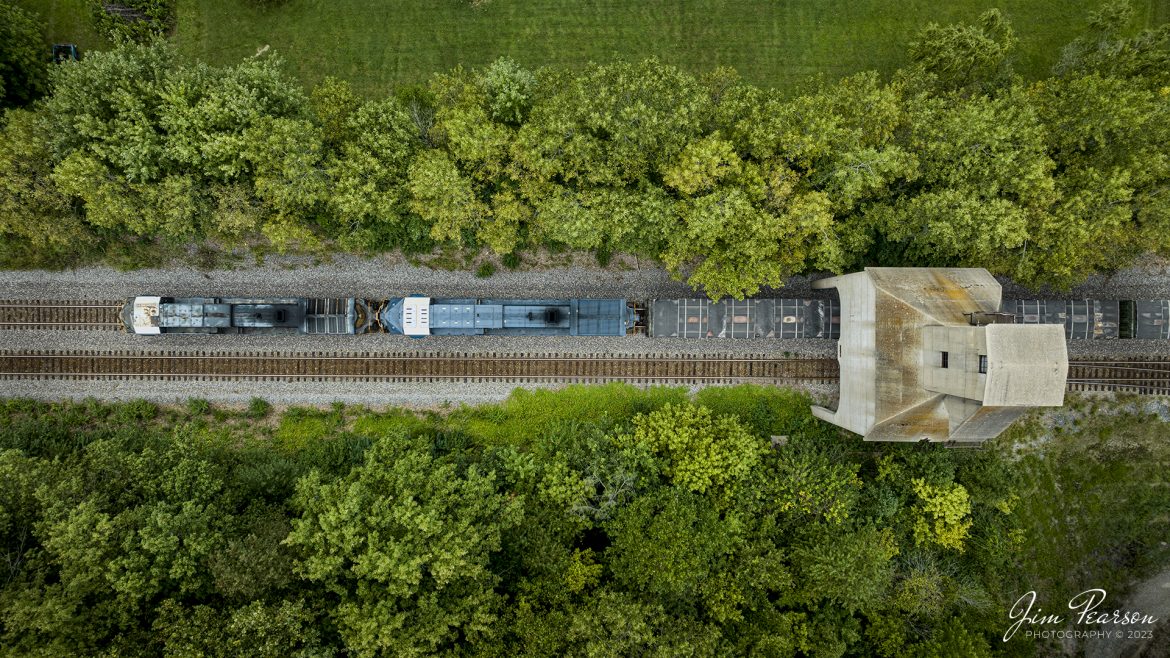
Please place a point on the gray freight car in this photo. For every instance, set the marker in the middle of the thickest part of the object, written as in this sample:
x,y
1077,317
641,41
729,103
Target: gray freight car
x,y
1087,319
1082,318
1145,319
749,318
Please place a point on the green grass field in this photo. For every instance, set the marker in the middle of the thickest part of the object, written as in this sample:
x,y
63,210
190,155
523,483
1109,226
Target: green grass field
x,y
376,44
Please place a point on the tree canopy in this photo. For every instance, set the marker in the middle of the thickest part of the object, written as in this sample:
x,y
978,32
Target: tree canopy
x,y
669,525
952,161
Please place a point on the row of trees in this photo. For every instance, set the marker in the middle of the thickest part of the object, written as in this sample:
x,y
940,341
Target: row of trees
x,y
953,161
666,527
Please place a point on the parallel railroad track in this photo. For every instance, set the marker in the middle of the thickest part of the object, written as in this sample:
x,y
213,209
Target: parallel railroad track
x,y
1139,374
73,315
413,366
1135,375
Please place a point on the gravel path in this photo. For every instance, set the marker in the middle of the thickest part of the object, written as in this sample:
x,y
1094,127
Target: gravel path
x,y
378,278
374,395
351,276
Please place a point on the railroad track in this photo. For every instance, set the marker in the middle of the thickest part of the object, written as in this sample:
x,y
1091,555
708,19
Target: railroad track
x,y
1136,375
410,367
72,315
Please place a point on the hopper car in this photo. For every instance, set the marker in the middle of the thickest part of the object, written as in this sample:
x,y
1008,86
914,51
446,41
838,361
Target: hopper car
x,y
1090,319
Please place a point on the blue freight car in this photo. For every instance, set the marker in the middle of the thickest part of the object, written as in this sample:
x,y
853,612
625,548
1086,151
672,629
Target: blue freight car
x,y
423,316
231,315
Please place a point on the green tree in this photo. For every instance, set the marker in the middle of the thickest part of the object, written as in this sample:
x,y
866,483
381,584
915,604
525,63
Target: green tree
x,y
444,198
610,124
616,625
509,88
257,630
110,553
806,483
952,639
333,103
1106,50
602,216
19,512
730,247
285,158
1106,137
670,545
23,56
702,165
984,187
698,452
33,210
942,516
369,175
153,146
966,55
404,541
467,126
851,568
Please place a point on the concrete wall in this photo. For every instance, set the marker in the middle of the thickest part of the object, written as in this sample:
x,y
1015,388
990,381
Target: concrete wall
x,y
856,406
963,346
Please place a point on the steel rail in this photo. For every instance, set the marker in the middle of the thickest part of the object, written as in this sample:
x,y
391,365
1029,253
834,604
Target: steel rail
x,y
322,366
31,314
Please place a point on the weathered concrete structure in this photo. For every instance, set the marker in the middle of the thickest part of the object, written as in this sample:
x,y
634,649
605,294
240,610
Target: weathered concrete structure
x,y
924,355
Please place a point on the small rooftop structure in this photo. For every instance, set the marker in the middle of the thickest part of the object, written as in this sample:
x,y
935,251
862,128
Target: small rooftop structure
x,y
925,354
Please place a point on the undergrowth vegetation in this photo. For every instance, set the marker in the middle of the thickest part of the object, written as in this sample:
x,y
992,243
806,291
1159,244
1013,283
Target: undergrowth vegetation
x,y
588,521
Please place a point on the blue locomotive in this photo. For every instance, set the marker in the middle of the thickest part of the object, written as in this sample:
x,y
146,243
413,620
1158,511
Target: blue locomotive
x,y
419,316
233,315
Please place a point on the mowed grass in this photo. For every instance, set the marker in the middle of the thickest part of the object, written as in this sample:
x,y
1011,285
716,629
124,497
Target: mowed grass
x,y
377,44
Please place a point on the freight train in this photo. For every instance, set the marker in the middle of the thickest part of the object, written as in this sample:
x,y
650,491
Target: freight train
x,y
419,316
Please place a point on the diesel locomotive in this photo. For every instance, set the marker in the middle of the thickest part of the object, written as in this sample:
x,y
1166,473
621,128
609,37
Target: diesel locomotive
x,y
235,315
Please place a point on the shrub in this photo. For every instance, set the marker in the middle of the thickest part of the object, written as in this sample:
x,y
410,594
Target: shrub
x,y
258,408
138,410
485,270
135,20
